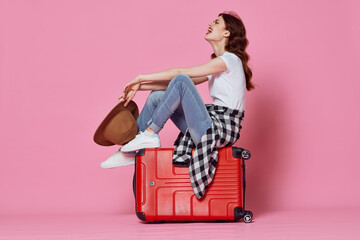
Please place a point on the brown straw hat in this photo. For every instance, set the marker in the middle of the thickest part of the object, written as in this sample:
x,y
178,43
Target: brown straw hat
x,y
119,126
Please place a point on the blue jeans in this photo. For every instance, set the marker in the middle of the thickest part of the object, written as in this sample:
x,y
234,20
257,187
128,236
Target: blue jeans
x,y
182,103
152,101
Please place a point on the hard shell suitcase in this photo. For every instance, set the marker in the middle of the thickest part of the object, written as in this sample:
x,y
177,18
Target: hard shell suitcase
x,y
163,192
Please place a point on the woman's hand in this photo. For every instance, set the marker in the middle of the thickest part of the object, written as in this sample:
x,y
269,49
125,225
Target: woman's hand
x,y
129,91
126,97
133,84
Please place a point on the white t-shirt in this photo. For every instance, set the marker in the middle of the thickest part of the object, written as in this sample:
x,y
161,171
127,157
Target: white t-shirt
x,y
228,88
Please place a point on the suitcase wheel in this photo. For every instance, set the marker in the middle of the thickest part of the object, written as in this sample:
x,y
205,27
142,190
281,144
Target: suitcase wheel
x,y
245,154
248,217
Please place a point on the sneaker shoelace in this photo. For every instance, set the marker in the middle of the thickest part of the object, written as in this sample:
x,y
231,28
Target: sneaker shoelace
x,y
139,134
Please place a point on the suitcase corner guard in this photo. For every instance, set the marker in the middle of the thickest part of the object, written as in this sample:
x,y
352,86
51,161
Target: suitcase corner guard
x,y
239,213
141,152
141,215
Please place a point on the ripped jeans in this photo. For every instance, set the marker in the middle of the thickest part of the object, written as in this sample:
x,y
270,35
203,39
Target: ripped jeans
x,y
182,103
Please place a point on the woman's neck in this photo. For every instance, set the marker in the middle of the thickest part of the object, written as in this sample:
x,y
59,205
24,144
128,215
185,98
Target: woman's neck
x,y
218,50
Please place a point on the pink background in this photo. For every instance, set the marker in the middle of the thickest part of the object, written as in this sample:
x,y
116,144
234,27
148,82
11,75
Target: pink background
x,y
64,63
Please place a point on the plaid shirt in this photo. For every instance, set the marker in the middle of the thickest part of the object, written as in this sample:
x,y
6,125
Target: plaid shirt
x,y
224,131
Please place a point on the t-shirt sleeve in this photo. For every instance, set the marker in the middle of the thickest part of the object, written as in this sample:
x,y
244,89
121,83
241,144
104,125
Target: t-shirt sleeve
x,y
228,61
209,77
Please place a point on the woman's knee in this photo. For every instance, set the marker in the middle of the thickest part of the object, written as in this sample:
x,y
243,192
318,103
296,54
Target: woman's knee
x,y
183,78
155,97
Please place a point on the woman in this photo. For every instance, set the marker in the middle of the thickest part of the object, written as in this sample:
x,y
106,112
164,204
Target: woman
x,y
175,96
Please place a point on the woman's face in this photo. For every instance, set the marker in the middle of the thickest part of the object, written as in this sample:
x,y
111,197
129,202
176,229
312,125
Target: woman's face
x,y
216,30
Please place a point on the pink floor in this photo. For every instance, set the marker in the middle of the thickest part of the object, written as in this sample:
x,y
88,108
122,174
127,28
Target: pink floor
x,y
293,224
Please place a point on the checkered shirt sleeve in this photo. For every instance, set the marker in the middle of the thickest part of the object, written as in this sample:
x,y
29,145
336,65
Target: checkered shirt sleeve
x,y
224,131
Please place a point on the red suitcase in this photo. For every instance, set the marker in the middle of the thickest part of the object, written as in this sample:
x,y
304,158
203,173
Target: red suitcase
x,y
163,191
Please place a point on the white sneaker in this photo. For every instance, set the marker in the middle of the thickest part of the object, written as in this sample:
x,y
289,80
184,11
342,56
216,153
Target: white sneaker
x,y
119,159
142,141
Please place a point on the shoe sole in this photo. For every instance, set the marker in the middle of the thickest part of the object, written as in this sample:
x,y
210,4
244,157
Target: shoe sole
x,y
120,165
143,146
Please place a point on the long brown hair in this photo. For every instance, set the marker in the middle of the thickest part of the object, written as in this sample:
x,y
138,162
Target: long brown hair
x,y
237,42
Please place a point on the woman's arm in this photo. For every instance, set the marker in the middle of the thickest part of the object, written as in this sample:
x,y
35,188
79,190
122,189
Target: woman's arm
x,y
158,85
198,80
198,73
213,66
162,85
